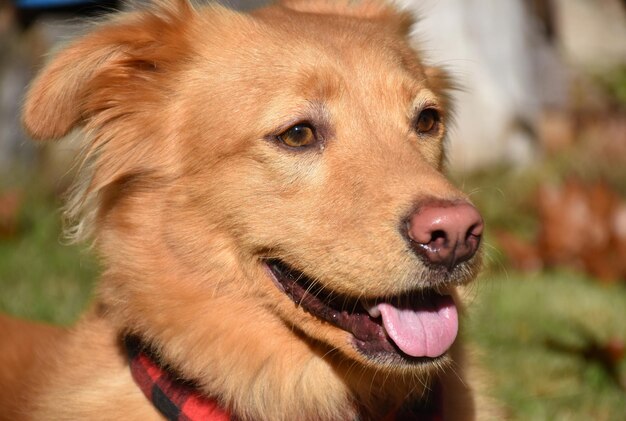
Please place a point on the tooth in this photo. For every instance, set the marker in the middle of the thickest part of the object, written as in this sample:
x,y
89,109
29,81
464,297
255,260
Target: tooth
x,y
372,310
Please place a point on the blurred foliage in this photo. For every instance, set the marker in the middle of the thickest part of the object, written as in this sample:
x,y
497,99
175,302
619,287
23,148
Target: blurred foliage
x,y
614,83
40,277
515,318
536,329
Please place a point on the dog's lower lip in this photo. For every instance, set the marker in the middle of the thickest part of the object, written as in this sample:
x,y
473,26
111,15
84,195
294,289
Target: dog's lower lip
x,y
363,318
347,314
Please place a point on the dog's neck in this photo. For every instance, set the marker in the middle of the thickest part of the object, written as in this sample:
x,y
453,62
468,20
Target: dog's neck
x,y
180,400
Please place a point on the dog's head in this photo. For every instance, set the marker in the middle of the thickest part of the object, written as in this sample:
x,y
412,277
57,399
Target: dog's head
x,y
266,190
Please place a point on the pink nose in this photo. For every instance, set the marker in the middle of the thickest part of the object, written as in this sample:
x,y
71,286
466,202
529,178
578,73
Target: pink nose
x,y
445,233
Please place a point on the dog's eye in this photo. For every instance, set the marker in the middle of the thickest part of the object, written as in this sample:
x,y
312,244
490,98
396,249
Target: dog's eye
x,y
298,136
427,121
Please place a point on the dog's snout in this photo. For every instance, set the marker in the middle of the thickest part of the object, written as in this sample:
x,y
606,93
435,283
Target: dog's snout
x,y
445,233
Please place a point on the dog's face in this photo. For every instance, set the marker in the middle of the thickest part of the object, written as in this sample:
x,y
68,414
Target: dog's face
x,y
266,190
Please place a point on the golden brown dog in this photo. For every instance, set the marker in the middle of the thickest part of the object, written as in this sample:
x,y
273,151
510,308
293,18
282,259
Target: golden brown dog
x,y
265,192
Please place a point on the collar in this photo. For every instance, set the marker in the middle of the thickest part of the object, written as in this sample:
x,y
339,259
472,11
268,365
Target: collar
x,y
180,400
176,399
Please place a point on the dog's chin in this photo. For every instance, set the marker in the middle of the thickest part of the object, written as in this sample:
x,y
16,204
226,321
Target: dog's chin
x,y
413,329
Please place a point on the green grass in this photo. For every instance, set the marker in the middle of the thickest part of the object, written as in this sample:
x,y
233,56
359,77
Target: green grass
x,y
513,318
516,316
40,277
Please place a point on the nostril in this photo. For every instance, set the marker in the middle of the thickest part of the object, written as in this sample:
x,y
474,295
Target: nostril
x,y
438,234
438,239
477,228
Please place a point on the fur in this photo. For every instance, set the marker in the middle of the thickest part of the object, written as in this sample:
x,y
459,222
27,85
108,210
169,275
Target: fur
x,y
184,191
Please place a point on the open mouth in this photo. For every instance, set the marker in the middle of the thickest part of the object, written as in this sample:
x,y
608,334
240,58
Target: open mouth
x,y
419,326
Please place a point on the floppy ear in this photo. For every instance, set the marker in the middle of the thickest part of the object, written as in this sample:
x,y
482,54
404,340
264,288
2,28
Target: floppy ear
x,y
114,82
103,70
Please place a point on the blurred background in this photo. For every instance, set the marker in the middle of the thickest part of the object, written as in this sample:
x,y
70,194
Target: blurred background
x,y
539,144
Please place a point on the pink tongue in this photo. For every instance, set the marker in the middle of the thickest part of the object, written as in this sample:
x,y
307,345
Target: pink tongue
x,y
424,332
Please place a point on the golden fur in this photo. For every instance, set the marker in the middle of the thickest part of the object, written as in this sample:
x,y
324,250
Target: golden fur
x,y
183,194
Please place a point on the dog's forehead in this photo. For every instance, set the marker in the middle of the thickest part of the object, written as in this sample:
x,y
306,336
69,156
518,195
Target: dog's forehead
x,y
316,57
280,37
329,38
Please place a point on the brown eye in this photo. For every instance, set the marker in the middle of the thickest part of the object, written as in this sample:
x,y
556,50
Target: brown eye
x,y
427,121
298,136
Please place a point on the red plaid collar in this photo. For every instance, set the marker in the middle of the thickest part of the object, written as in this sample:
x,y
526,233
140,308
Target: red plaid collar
x,y
179,400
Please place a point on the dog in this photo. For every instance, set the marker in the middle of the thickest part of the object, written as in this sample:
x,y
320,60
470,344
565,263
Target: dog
x,y
265,192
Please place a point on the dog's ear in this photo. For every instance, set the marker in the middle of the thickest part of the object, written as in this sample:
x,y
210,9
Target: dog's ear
x,y
104,70
376,10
